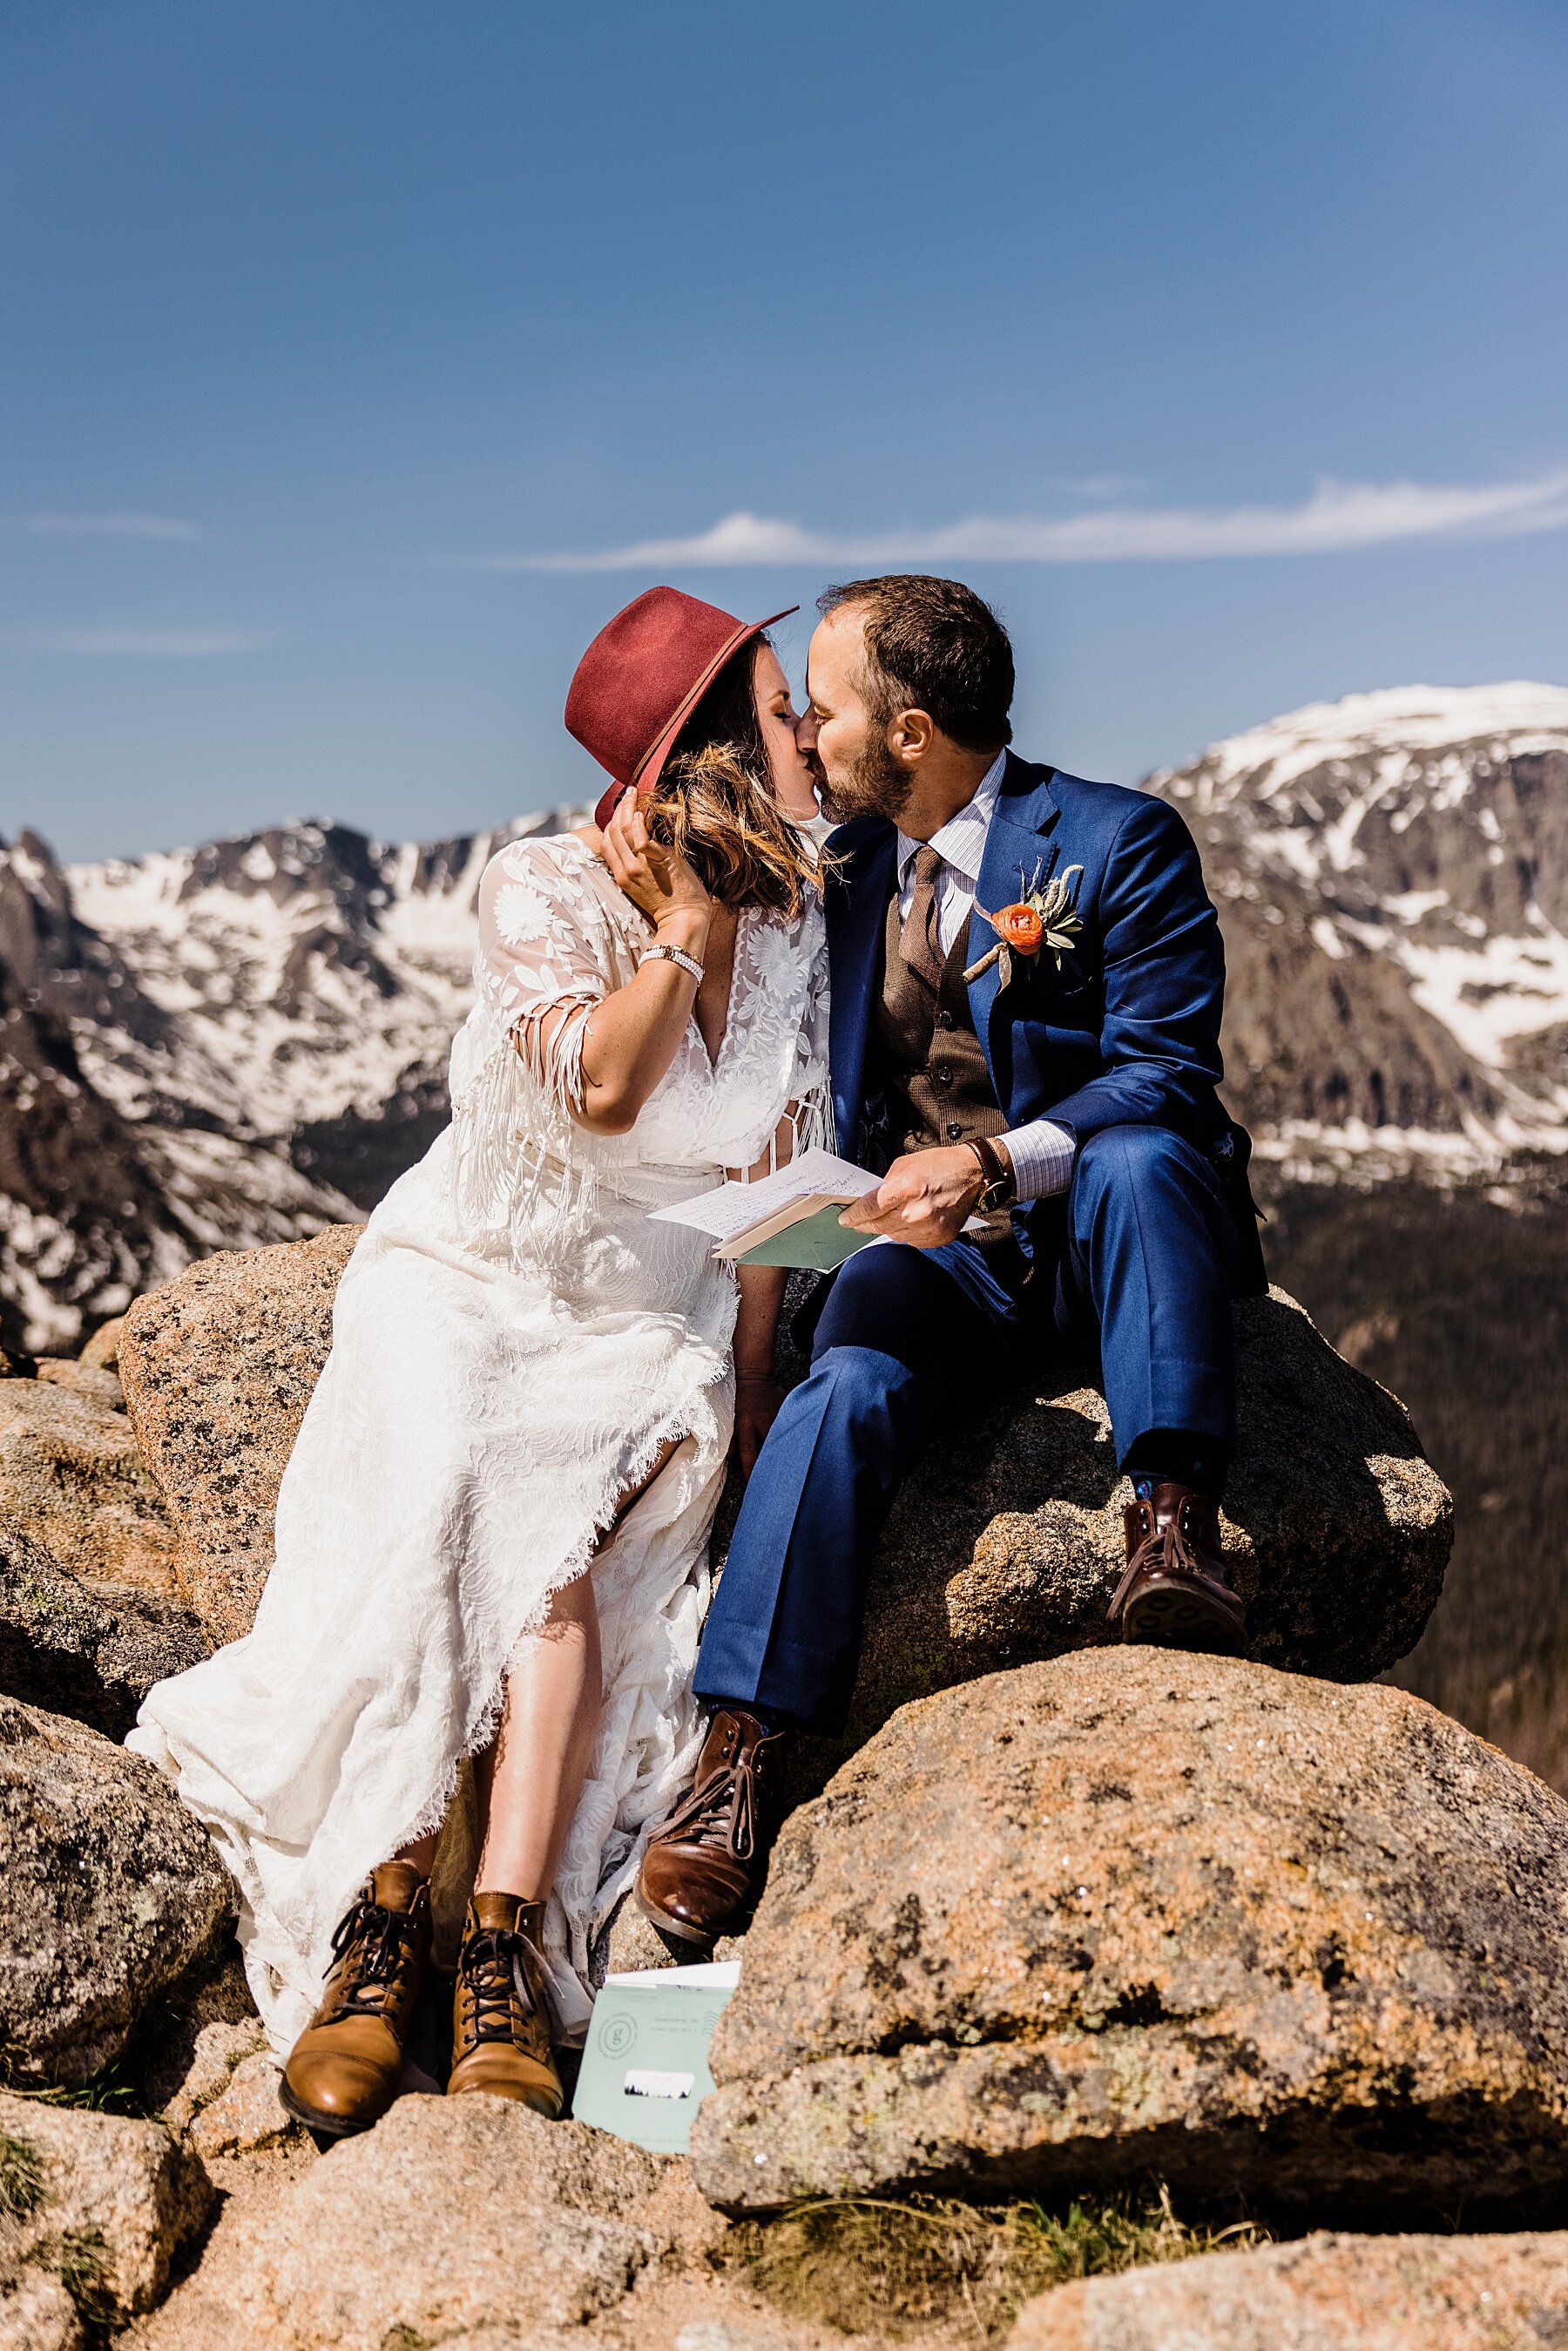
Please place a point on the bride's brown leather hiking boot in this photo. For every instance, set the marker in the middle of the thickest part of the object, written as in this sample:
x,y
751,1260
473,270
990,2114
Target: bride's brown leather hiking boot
x,y
702,1870
500,2016
342,2074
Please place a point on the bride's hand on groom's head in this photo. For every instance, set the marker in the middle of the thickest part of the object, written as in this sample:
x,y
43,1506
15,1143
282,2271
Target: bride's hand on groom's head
x,y
924,1198
656,879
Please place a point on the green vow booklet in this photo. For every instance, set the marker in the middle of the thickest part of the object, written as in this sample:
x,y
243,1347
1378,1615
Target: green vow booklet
x,y
818,1242
645,2061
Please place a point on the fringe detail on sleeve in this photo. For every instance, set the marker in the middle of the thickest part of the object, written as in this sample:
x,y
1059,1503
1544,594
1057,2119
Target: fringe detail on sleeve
x,y
524,1179
812,1119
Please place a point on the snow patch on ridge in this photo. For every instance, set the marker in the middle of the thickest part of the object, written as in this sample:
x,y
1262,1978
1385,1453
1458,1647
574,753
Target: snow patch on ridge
x,y
1518,718
1417,842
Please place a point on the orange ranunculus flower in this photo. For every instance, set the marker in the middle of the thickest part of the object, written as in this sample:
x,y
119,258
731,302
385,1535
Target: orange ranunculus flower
x,y
1022,927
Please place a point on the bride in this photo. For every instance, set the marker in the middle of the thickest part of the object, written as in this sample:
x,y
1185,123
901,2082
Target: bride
x,y
492,1536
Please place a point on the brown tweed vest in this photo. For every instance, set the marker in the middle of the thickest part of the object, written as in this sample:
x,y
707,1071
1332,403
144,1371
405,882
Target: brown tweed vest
x,y
927,1060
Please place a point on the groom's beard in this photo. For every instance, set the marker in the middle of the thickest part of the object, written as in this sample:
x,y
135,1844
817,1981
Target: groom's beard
x,y
876,785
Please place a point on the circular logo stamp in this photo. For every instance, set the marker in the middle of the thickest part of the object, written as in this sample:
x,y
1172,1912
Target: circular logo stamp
x,y
616,2035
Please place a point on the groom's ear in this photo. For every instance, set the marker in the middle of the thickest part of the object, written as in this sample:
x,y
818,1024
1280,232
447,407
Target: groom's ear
x,y
910,734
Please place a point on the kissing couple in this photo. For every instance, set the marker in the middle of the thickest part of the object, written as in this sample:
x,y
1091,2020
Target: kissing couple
x,y
485,1692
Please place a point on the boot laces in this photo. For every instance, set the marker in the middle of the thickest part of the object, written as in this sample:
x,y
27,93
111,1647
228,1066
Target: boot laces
x,y
376,1941
1166,1551
722,1813
495,1965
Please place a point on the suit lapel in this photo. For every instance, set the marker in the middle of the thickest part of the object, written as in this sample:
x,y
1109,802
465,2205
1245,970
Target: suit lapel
x,y
1020,856
857,911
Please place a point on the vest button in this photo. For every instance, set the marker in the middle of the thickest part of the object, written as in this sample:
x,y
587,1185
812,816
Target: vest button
x,y
944,1077
954,1130
944,1021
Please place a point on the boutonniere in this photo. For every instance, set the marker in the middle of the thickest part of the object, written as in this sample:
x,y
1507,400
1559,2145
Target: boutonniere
x,y
1041,918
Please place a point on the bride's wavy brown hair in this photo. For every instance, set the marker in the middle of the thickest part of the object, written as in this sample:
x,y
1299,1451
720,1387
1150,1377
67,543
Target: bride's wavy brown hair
x,y
714,802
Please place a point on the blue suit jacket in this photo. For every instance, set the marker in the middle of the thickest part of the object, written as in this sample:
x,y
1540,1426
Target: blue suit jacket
x,y
1128,1032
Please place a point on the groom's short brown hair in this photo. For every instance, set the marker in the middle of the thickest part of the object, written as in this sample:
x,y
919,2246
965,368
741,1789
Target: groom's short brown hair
x,y
933,645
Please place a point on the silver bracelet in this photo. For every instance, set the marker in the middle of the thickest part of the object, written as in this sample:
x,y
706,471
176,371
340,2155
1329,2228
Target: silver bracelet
x,y
661,953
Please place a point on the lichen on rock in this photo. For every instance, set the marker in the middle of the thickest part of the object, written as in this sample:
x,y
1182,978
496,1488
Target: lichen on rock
x,y
109,1891
125,2185
72,1479
1133,1913
1326,2293
452,2215
92,1652
217,1369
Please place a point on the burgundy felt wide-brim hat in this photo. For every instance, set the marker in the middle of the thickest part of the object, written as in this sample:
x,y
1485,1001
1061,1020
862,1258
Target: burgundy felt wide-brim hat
x,y
643,676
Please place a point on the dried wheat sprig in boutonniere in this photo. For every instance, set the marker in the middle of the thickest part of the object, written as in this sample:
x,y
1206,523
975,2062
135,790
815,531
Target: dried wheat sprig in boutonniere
x,y
1041,918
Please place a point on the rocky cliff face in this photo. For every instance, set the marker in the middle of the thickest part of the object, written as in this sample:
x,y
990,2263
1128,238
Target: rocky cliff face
x,y
1392,878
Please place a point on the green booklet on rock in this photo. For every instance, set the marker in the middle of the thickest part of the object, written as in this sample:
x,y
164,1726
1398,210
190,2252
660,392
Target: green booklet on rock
x,y
645,2061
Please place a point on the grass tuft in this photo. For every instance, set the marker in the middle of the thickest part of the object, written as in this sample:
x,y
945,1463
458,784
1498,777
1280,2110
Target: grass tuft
x,y
79,2259
21,2176
865,2265
113,2090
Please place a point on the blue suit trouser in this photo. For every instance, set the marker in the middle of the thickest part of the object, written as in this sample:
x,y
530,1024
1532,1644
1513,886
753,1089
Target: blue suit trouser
x,y
909,1340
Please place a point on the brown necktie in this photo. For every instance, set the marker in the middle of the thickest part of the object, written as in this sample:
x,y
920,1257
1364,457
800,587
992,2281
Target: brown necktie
x,y
917,941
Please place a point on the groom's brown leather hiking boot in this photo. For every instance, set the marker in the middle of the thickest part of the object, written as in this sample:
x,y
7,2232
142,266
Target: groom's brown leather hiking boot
x,y
705,1867
501,2016
342,2072
1176,1593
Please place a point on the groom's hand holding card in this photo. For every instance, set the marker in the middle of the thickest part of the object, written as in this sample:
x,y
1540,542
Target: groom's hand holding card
x,y
788,1219
819,1209
924,1198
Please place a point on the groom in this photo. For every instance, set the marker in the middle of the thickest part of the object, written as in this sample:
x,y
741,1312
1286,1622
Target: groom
x,y
1052,1149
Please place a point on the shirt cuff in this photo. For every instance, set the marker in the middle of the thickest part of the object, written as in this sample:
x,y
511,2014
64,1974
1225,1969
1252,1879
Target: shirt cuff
x,y
1042,1156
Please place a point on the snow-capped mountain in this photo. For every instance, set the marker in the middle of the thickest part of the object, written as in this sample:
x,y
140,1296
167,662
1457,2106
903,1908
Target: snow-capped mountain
x,y
217,1048
1391,872
237,1043
311,982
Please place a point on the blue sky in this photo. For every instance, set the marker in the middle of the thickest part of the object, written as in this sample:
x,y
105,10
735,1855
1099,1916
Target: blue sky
x,y
322,321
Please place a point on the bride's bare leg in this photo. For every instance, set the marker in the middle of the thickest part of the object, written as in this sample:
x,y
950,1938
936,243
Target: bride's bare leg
x,y
528,1784
530,1780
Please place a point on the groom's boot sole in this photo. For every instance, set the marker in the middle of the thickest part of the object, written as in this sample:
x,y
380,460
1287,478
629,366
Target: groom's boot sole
x,y
1172,1615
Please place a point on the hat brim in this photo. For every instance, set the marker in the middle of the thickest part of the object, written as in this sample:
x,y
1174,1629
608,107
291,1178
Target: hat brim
x,y
652,766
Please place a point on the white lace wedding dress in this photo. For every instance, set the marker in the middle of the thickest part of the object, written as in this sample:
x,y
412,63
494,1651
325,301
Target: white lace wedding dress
x,y
513,1345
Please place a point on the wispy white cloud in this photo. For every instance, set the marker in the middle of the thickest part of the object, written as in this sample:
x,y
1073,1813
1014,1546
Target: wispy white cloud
x,y
107,526
1337,516
140,644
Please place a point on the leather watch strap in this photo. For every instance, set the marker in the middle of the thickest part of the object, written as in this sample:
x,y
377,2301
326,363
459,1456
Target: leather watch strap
x,y
1000,1184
